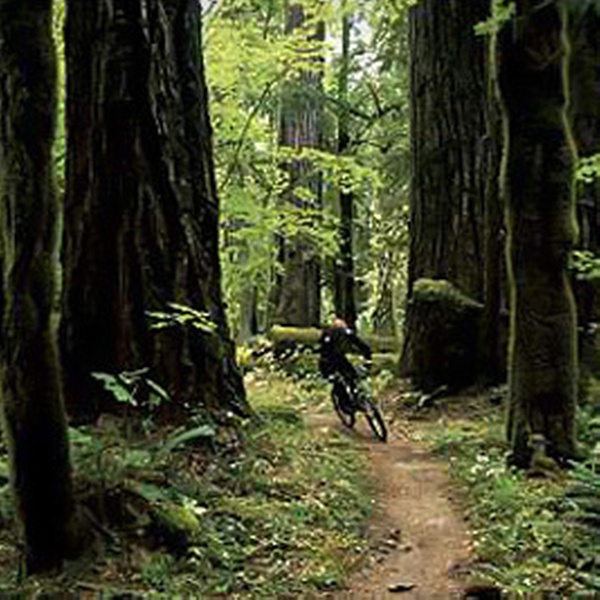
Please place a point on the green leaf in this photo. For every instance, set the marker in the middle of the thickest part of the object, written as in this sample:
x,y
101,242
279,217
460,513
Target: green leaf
x,y
182,316
580,7
151,493
588,169
502,11
162,394
202,431
113,385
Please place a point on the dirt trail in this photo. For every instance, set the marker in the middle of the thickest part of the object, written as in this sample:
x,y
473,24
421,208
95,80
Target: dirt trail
x,y
418,536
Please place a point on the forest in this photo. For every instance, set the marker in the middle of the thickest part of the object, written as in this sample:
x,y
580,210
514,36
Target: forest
x,y
299,298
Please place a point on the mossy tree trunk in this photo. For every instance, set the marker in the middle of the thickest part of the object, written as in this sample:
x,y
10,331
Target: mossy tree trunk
x,y
452,156
537,186
298,288
34,419
443,346
141,223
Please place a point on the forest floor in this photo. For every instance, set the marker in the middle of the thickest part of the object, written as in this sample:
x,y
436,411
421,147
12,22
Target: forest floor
x,y
291,504
419,542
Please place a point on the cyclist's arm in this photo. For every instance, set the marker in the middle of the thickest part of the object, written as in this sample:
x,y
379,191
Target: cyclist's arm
x,y
361,346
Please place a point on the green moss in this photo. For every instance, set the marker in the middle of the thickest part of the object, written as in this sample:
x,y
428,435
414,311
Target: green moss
x,y
441,290
309,336
443,343
300,335
177,518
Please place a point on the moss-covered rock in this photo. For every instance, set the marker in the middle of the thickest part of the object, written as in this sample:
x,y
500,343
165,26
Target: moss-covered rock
x,y
443,348
175,525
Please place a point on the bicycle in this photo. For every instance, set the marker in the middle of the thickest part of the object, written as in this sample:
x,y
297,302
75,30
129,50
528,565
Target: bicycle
x,y
347,401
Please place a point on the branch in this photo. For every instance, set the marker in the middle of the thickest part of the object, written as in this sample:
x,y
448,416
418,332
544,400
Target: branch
x,y
382,111
242,138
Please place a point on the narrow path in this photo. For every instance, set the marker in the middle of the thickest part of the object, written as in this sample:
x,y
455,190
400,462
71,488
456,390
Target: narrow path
x,y
418,537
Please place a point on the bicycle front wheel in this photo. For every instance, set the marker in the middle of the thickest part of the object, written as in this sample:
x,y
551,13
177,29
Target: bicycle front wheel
x,y
375,420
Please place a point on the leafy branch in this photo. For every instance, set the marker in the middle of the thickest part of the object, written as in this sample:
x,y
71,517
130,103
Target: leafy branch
x,y
181,315
502,11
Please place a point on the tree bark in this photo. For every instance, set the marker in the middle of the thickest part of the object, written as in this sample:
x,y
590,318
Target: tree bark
x,y
451,156
34,419
298,289
585,115
494,323
141,225
448,147
537,186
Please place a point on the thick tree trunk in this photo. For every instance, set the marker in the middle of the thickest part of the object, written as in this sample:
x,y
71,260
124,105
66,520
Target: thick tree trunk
x,y
343,296
298,291
451,152
33,411
448,147
141,225
537,186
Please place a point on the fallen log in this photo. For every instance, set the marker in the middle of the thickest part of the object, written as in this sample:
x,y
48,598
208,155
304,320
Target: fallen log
x,y
308,336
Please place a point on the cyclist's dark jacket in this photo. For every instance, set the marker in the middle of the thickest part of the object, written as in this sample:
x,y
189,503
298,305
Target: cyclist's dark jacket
x,y
334,343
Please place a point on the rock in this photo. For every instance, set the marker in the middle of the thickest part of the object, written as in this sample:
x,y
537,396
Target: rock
x,y
174,525
398,588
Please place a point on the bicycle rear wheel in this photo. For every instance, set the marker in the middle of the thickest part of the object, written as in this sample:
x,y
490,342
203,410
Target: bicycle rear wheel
x,y
375,420
341,403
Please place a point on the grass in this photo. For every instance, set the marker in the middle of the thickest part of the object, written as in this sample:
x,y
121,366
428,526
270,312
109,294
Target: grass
x,y
273,509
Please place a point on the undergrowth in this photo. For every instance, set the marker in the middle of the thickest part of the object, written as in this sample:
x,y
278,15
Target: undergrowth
x,y
523,538
271,509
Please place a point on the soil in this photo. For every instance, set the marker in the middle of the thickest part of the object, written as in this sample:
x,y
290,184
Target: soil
x,y
419,542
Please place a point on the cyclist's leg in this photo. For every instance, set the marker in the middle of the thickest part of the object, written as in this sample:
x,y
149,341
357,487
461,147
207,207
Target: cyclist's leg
x,y
349,374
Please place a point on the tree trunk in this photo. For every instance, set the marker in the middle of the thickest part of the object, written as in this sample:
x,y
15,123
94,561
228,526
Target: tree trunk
x,y
34,419
450,151
537,186
248,326
585,114
448,147
344,300
141,224
384,321
298,292
494,323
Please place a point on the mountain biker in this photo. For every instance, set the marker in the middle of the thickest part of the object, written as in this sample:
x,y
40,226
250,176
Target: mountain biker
x,y
334,343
